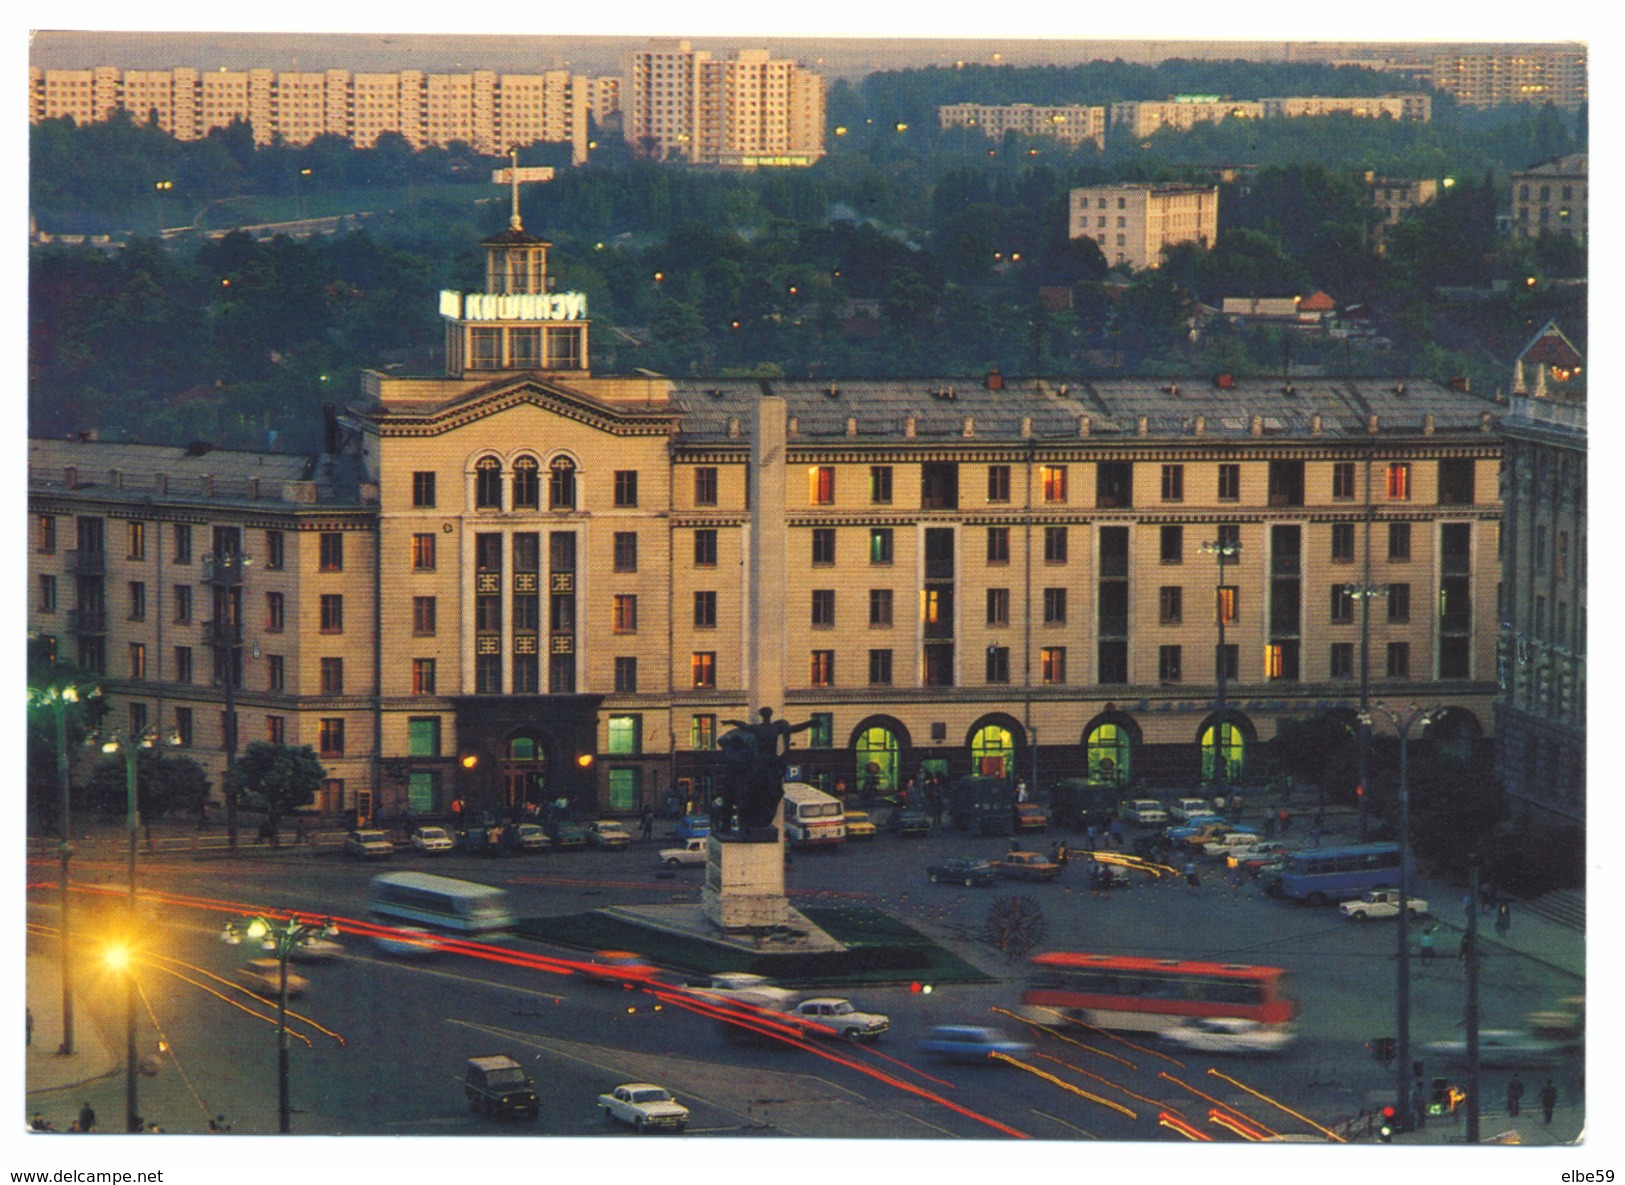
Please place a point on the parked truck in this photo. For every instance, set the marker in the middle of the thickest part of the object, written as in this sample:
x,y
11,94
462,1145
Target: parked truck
x,y
984,806
1078,803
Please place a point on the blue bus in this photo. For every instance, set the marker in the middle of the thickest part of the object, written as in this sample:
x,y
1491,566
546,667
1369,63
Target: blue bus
x,y
1316,876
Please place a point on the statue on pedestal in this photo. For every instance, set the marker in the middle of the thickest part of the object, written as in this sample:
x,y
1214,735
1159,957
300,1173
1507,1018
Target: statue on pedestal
x,y
754,758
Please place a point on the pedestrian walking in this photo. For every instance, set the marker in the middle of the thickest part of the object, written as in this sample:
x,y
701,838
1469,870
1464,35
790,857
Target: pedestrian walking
x,y
1192,879
87,1118
1089,835
1284,818
1466,949
1426,942
1503,918
1062,853
300,835
1514,1096
1548,1101
647,828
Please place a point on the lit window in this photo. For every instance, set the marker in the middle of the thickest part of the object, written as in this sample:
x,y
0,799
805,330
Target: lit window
x,y
1399,481
703,666
821,485
1052,663
1052,479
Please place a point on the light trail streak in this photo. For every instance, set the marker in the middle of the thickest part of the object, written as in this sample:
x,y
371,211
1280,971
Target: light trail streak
x,y
1165,1119
237,987
1115,1086
1219,1103
1325,1131
1053,1080
1241,1127
1059,1037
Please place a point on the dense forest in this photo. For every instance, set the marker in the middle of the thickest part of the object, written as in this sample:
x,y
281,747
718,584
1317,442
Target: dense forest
x,y
908,250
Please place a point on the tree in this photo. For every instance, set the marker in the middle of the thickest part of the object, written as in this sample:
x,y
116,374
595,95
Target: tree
x,y
276,778
163,783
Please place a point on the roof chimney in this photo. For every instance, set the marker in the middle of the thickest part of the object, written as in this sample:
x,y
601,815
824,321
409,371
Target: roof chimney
x,y
1083,425
851,425
994,381
970,425
908,426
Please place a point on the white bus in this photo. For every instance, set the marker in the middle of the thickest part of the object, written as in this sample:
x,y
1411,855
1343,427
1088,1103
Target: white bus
x,y
811,817
440,901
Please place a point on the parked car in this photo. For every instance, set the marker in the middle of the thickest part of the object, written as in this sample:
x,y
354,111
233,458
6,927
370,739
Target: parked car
x,y
607,833
1179,833
497,1087
566,834
1222,1034
432,840
1381,903
620,966
1256,855
962,870
1027,866
693,851
1147,812
1229,841
859,825
836,1017
525,837
644,1106
1181,809
909,821
265,976
969,1043
1030,816
694,826
367,845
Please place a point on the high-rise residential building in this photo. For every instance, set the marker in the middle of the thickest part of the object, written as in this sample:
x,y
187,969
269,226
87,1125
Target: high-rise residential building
x,y
1488,77
1553,197
1072,124
746,111
1132,223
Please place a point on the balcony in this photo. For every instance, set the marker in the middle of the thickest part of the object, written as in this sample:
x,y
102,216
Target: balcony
x,y
1114,625
1114,565
224,570
1455,564
87,563
88,621
221,633
1285,565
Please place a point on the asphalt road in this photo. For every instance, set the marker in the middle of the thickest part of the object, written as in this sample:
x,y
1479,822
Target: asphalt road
x,y
397,1031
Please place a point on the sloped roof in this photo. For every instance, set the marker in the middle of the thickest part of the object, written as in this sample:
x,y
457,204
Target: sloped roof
x,y
1550,348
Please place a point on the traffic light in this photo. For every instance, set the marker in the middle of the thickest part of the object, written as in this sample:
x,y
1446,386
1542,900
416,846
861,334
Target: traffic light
x,y
1385,1126
1382,1049
920,989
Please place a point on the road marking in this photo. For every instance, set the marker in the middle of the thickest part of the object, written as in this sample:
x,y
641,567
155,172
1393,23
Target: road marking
x,y
1064,1123
454,977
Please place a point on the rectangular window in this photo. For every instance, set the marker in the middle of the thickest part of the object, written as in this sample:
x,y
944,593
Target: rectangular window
x,y
138,660
331,556
1052,663
1055,545
821,485
998,664
625,735
822,733
702,732
1342,603
998,483
703,668
423,552
138,719
626,551
624,615
1055,606
1052,481
1173,545
276,730
137,533
1169,664
880,607
626,675
1560,557
275,550
1399,481
1399,542
705,547
880,545
275,617
138,600
705,610
183,604
332,613
998,545
1399,660
1229,483
1173,483
998,606
423,489
1171,604
880,484
1342,543
1227,603
423,616
331,734
822,673
880,668
823,608
1399,602
823,545
1343,481
1456,481
423,736
705,485
1342,661
47,593
276,673
183,727
626,487
47,533
332,676
423,676
183,543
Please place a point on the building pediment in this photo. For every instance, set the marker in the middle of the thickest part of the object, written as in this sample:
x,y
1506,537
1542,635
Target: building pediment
x,y
617,417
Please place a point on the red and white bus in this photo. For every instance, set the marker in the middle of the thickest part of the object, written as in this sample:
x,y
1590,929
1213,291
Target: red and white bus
x,y
1116,992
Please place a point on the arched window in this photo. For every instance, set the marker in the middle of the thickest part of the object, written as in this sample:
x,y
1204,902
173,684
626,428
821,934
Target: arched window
x,y
991,750
1108,755
488,484
561,486
523,774
1223,742
526,484
877,759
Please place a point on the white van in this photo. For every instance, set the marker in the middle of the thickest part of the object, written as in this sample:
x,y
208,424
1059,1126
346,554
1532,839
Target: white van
x,y
812,818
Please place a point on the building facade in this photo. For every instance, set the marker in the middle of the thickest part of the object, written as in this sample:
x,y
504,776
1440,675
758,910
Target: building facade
x,y
1393,200
1141,119
1540,718
1487,78
1412,108
1132,223
1072,125
1553,197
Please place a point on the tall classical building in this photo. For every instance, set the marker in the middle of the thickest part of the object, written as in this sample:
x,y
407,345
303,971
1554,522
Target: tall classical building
x,y
747,111
518,578
1071,124
1488,77
1540,717
1553,197
1132,223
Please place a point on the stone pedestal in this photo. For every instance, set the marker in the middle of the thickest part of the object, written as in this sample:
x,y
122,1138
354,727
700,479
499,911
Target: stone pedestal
x,y
744,883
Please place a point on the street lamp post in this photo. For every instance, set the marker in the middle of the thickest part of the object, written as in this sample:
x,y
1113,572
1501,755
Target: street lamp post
x,y
224,569
281,939
1363,593
1225,549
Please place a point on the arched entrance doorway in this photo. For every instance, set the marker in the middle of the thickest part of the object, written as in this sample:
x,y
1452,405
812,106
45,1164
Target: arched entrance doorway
x,y
1108,750
992,751
1224,752
877,756
522,771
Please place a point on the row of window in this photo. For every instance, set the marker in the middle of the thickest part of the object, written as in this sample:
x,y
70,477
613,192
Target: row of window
x,y
330,729
274,557
525,485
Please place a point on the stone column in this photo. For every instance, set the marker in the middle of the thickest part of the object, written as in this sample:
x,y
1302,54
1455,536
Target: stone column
x,y
768,561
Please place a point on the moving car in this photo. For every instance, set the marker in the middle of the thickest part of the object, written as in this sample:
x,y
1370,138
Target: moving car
x,y
498,1087
746,988
1381,903
644,1106
607,833
1027,866
1223,1034
313,948
693,851
836,1017
962,870
367,845
430,840
1182,809
969,1043
1503,1049
620,966
1030,816
1147,812
408,942
265,976
859,825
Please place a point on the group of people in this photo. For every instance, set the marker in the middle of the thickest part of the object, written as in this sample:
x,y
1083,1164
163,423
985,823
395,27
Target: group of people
x,y
1547,1096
